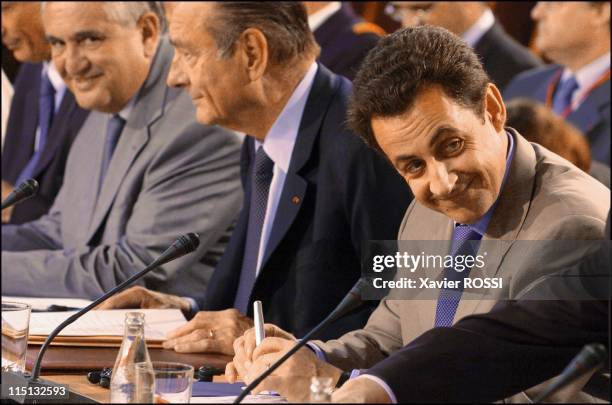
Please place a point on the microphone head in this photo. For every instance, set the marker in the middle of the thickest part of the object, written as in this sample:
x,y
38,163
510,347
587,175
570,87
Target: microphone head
x,y
28,187
593,354
188,243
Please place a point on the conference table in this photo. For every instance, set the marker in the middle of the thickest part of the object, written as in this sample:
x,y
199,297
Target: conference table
x,y
70,365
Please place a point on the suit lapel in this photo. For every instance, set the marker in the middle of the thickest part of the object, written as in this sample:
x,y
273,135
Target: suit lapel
x,y
508,217
294,189
56,137
147,109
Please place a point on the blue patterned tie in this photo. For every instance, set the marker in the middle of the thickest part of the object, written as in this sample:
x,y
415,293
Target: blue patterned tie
x,y
113,130
46,110
563,95
260,187
463,244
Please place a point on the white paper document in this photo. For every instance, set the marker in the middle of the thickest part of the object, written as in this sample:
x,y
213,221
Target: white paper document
x,y
41,304
158,322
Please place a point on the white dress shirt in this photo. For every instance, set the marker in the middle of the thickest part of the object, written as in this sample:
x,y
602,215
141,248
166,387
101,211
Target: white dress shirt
x,y
7,96
278,145
480,27
60,89
586,77
315,20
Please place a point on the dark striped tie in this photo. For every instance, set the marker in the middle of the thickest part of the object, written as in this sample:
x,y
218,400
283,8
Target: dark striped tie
x,y
113,130
260,188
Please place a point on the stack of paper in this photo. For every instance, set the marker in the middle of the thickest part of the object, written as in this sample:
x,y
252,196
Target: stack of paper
x,y
41,304
103,328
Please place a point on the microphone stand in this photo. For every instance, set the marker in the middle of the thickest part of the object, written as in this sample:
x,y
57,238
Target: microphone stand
x,y
18,381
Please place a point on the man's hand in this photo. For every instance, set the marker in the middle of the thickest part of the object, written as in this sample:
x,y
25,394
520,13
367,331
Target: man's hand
x,y
292,379
6,190
140,297
209,332
361,390
244,347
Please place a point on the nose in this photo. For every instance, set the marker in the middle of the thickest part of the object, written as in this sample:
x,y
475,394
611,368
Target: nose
x,y
177,76
536,12
441,182
76,63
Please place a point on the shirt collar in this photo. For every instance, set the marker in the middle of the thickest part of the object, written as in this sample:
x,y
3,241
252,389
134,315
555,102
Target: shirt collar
x,y
588,75
56,80
480,27
481,225
125,111
280,139
317,19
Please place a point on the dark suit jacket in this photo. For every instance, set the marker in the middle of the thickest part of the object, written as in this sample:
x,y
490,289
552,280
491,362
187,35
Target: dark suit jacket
x,y
592,117
20,138
338,193
519,344
503,57
343,45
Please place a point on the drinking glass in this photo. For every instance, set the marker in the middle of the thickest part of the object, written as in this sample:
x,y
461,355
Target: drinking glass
x,y
173,381
15,328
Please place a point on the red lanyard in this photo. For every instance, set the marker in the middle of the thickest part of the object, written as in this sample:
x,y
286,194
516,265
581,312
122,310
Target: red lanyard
x,y
552,86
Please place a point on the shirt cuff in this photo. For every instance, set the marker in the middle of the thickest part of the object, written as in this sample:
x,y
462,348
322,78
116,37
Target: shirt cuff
x,y
194,308
318,352
381,383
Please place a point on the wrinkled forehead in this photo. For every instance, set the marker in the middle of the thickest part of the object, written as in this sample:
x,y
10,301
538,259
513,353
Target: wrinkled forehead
x,y
75,16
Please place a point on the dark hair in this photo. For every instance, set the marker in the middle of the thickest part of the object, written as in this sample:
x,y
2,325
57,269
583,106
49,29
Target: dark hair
x,y
407,61
539,124
284,24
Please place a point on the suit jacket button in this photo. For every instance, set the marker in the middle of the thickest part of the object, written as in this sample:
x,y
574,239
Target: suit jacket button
x,y
295,199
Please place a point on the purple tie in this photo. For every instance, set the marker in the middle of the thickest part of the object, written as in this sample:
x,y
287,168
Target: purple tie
x,y
465,242
563,95
260,188
46,110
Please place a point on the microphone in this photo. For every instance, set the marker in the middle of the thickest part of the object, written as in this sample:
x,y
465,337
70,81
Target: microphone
x,y
23,191
183,245
590,359
350,302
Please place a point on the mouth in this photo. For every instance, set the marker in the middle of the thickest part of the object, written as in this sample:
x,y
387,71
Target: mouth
x,y
85,83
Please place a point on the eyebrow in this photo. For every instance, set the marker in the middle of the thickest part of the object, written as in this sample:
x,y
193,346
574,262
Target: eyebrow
x,y
438,133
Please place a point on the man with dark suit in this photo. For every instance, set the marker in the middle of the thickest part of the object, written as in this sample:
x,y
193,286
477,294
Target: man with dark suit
x,y
140,173
313,191
344,37
502,56
423,98
44,117
577,85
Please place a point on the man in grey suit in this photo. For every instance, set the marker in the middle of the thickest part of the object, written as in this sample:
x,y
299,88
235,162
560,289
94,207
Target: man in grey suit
x,y
141,172
441,124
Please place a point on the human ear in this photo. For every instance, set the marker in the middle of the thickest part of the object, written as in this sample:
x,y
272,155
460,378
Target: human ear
x,y
149,26
495,110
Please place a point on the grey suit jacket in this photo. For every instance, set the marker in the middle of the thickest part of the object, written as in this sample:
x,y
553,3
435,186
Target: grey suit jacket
x,y
545,198
168,176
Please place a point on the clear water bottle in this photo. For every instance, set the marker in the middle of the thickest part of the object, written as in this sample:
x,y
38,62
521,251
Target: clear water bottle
x,y
321,389
127,385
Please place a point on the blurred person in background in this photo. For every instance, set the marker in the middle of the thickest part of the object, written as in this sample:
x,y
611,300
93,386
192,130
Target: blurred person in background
x,y
344,37
140,173
575,36
44,117
539,124
502,56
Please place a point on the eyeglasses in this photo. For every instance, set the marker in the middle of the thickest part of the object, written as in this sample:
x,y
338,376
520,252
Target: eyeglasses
x,y
416,11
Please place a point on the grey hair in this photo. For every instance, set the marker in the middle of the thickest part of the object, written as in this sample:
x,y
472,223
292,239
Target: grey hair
x,y
127,13
284,24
